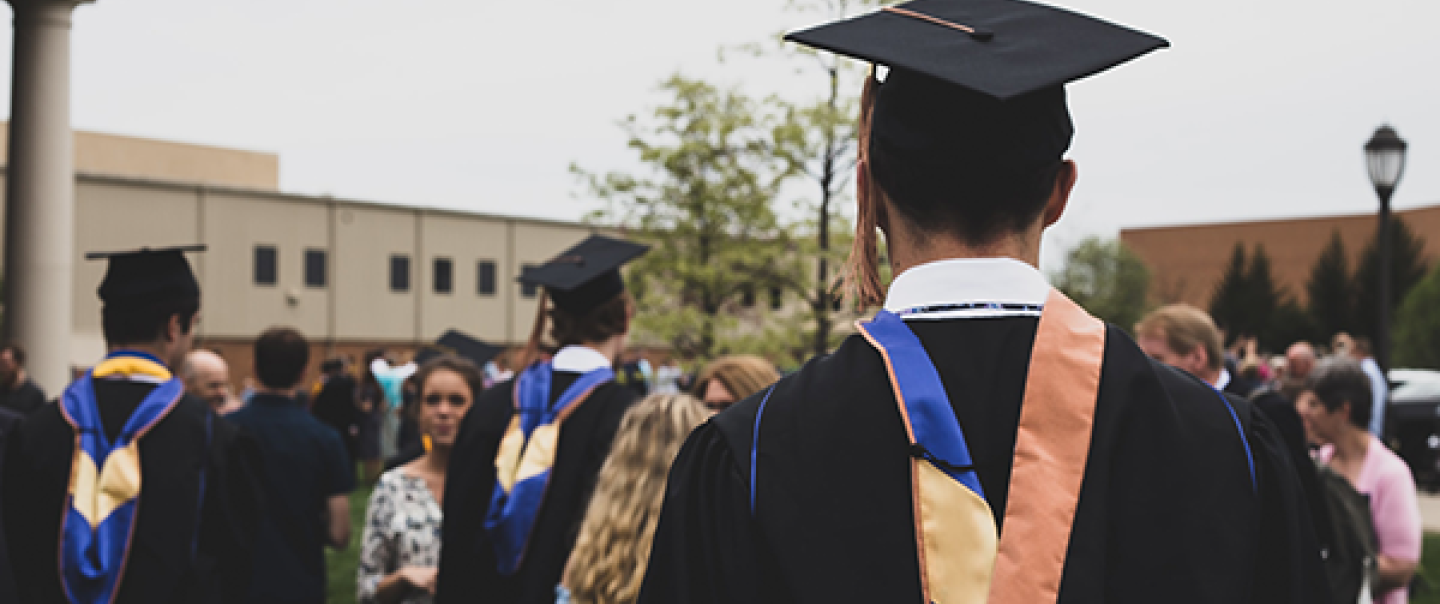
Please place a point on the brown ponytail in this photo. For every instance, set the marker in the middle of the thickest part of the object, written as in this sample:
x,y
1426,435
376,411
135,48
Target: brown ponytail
x,y
861,277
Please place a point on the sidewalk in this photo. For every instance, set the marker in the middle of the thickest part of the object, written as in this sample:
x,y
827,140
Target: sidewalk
x,y
1430,512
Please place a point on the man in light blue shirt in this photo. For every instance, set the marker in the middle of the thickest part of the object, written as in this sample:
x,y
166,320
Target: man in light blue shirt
x,y
1359,348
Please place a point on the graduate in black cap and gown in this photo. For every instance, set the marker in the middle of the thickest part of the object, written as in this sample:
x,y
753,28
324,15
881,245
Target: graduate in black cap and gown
x,y
982,439
525,461
133,491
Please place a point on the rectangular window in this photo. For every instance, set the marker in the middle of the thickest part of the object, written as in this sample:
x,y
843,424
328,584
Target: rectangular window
x,y
315,268
443,272
266,271
528,290
399,273
485,278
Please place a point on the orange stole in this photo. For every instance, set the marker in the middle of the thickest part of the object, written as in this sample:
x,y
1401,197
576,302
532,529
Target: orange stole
x,y
960,561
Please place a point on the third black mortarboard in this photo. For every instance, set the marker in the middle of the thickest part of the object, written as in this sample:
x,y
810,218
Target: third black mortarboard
x,y
586,275
460,344
147,276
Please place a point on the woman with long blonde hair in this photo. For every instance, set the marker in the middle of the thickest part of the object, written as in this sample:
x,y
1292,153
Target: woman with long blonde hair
x,y
610,554
732,378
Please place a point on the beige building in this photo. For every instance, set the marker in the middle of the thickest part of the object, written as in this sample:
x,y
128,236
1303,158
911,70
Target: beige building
x,y
348,274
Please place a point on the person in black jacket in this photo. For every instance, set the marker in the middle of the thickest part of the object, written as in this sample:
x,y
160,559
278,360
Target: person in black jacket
x,y
525,461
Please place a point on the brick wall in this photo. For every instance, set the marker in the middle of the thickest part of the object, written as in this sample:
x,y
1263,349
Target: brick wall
x,y
1187,262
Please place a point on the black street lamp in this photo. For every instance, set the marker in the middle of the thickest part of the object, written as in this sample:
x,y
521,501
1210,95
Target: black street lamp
x,y
1385,156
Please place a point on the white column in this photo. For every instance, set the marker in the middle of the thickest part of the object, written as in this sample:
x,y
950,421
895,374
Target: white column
x,y
40,192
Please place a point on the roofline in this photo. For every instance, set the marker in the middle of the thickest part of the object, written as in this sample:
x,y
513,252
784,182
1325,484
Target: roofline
x,y
1264,221
202,188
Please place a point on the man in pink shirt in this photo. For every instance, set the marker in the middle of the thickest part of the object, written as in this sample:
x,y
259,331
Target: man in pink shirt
x,y
1336,407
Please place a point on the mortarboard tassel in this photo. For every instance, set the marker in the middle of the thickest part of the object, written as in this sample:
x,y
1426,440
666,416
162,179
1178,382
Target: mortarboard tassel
x,y
531,353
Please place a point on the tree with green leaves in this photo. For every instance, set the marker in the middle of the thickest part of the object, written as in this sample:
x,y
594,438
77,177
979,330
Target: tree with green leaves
x,y
1246,299
1417,325
1330,291
817,139
1227,304
1262,297
1407,268
1107,279
707,208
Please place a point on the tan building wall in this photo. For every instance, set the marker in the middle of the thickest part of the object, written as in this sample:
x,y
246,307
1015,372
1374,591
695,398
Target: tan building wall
x,y
1187,262
356,309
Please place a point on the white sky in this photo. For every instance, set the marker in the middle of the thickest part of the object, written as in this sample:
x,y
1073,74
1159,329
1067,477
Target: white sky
x,y
1258,111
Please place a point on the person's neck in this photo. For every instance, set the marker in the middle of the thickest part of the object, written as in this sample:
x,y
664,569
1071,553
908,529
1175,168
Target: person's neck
x,y
1211,377
909,248
437,459
284,392
611,348
1352,444
153,349
16,380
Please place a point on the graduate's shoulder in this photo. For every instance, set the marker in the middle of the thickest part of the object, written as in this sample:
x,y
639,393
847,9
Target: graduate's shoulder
x,y
824,386
1156,396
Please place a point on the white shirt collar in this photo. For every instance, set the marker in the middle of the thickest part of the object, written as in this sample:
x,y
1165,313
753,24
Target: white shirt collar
x,y
1224,379
922,291
579,359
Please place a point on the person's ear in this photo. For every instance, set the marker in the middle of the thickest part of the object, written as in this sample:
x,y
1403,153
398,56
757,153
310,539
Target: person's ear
x,y
1060,194
173,329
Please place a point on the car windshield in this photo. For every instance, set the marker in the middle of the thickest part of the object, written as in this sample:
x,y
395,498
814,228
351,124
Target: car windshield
x,y
1414,385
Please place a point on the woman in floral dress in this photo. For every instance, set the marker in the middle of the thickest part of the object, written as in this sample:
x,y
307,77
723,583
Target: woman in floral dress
x,y
401,548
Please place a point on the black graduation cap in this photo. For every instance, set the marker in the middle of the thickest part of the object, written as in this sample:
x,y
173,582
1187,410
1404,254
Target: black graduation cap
x,y
998,48
146,276
974,83
460,344
587,275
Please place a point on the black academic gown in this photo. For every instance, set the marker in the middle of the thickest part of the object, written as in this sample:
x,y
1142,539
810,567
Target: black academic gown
x,y
9,422
467,560
161,568
1167,510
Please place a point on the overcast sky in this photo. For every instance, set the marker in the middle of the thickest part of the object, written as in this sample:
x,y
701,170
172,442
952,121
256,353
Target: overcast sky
x,y
1258,111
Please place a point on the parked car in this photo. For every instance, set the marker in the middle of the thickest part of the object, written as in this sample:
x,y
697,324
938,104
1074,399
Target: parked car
x,y
1412,425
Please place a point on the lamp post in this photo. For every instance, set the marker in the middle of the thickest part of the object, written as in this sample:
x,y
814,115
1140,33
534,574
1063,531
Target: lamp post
x,y
1385,156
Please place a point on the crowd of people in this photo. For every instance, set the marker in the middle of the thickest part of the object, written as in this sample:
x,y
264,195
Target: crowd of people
x,y
981,438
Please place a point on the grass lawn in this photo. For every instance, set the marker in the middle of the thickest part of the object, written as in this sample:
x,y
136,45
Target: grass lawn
x,y
1430,570
340,564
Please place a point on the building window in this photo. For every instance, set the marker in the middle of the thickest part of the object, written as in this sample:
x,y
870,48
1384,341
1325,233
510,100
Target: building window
x,y
315,268
528,290
443,272
485,278
399,273
266,272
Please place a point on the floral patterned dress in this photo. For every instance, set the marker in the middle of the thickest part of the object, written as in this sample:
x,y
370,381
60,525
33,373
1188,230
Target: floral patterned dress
x,y
402,528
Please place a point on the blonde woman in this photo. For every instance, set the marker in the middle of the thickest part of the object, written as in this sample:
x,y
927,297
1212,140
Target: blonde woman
x,y
730,379
401,548
608,562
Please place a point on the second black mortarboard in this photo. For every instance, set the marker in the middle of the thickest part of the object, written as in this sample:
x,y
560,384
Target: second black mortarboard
x,y
587,275
138,278
462,345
